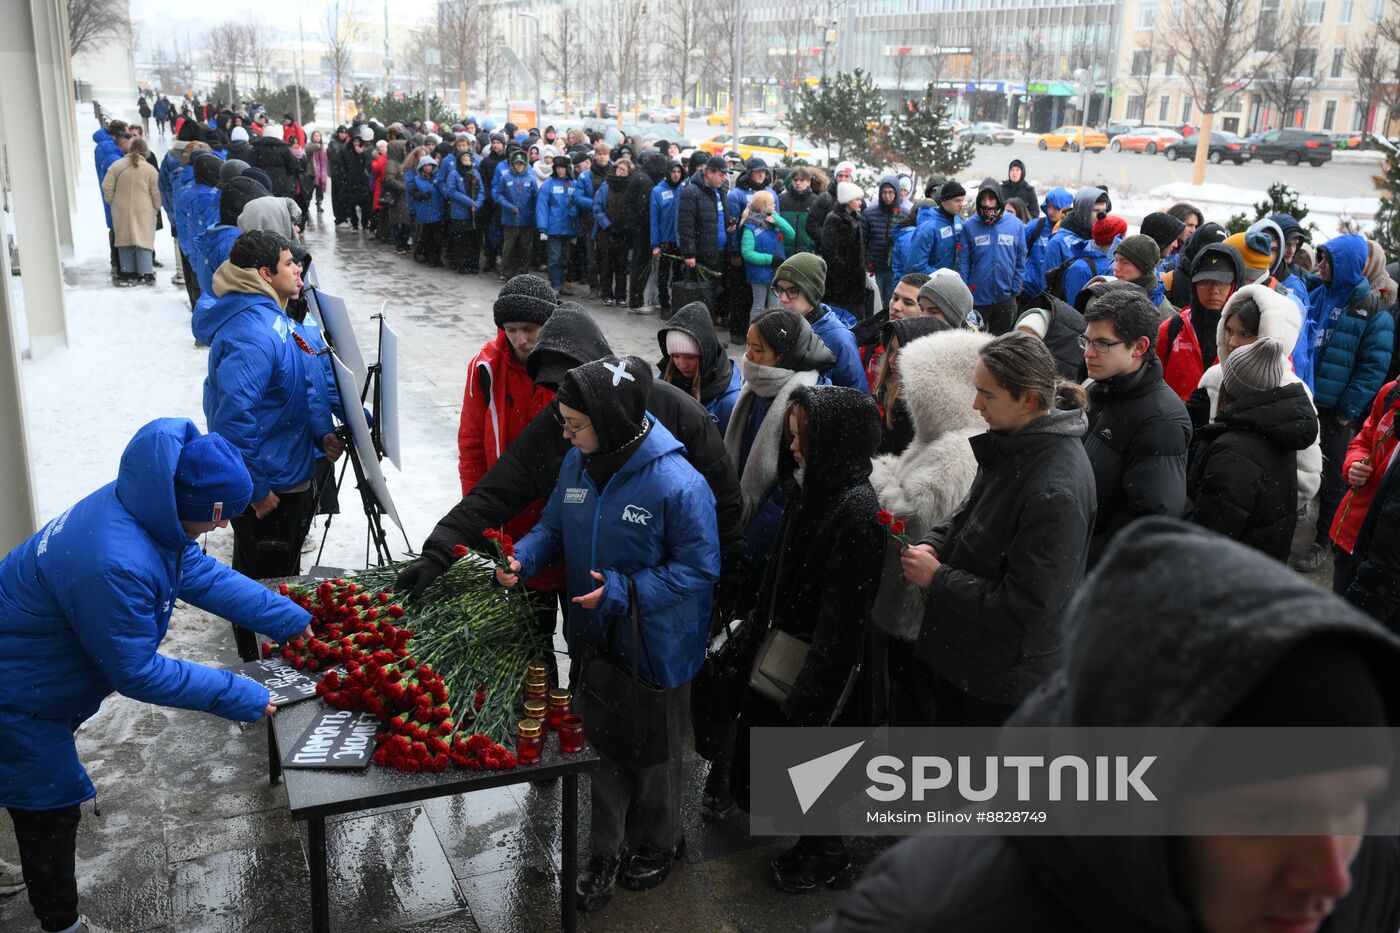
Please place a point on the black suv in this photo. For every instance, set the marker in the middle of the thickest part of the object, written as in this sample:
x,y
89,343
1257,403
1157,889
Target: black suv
x,y
1223,146
1293,146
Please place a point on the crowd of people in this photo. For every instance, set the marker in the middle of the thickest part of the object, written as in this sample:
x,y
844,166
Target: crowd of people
x,y
973,467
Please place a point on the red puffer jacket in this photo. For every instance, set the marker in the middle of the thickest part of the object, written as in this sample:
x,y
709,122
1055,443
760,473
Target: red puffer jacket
x,y
1374,443
500,400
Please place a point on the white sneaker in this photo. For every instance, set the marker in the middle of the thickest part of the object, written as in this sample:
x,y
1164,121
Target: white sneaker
x,y
11,878
178,278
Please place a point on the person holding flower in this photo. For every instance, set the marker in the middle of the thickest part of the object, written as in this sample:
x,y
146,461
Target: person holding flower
x,y
636,526
84,606
817,590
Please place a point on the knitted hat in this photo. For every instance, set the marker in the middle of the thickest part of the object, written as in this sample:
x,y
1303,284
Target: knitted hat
x,y
780,329
808,272
1140,250
238,134
844,167
949,294
678,341
211,482
424,161
613,392
525,299
1163,228
846,192
951,189
1254,250
581,157
259,176
1106,230
231,170
1254,367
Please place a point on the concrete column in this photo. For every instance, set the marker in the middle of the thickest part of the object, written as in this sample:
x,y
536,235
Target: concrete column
x,y
18,516
36,221
71,140
54,100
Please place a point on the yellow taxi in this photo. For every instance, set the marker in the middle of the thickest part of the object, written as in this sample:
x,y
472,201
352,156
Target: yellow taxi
x,y
1072,138
764,145
718,118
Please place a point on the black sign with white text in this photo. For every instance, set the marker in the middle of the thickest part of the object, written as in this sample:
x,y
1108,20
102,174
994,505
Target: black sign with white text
x,y
285,684
337,738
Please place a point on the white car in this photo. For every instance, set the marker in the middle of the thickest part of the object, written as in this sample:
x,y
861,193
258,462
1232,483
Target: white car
x,y
758,119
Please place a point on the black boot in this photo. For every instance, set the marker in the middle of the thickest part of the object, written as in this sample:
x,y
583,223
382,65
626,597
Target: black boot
x,y
716,804
594,887
812,863
647,868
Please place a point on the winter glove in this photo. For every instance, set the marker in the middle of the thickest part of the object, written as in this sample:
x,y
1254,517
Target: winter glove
x,y
415,578
544,237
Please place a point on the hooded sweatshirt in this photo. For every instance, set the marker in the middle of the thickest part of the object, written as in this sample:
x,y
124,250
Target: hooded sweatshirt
x,y
1022,189
1076,227
269,213
1114,672
1351,333
719,377
197,205
1186,341
879,221
992,260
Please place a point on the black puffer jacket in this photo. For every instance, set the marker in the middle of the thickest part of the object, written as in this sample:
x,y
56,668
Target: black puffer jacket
x,y
878,221
698,220
274,156
1131,662
1138,438
816,215
1020,189
1243,476
716,368
843,247
822,581
354,175
1012,554
529,467
650,168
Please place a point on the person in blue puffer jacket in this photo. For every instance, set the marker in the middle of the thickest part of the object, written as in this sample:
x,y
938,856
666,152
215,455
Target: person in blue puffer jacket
x,y
515,190
556,217
665,232
799,284
466,194
1038,234
263,395
1351,335
636,527
429,210
84,606
212,245
992,260
197,206
939,233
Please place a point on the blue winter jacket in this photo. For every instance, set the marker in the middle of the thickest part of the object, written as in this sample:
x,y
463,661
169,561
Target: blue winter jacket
x,y
84,605
837,336
583,195
936,242
515,198
653,523
556,207
261,394
722,406
196,209
1349,368
211,248
992,260
735,203
1038,233
665,205
169,170
107,155
425,199
322,373
601,219
1078,274
461,205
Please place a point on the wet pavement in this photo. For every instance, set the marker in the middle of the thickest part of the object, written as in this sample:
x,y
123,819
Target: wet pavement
x,y
187,834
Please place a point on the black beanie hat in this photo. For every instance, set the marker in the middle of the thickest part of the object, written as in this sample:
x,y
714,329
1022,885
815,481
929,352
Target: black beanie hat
x,y
525,299
236,195
614,393
950,189
1163,228
259,176
780,329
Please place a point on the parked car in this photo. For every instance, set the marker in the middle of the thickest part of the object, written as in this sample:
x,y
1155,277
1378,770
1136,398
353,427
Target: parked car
x,y
1072,138
1120,127
985,134
716,145
758,119
1292,145
1148,139
1223,146
1353,140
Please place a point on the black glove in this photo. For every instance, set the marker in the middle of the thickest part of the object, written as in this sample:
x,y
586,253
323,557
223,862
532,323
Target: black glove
x,y
416,577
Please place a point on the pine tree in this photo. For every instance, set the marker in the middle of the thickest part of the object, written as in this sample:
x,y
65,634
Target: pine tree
x,y
1387,232
839,113
922,139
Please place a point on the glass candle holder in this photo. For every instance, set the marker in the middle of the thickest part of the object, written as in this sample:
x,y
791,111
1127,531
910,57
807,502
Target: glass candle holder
x,y
560,705
571,733
537,670
529,741
536,689
535,709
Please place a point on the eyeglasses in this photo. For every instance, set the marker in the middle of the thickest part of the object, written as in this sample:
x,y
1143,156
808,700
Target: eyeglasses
x,y
790,294
1100,346
569,430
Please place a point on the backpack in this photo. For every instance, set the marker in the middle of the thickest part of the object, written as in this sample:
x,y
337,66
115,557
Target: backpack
x,y
1173,331
1055,278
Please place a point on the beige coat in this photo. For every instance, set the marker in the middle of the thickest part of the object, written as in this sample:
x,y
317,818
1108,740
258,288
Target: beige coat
x,y
133,190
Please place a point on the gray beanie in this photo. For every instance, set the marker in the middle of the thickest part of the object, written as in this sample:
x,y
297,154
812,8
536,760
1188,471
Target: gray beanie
x,y
231,170
1254,367
950,295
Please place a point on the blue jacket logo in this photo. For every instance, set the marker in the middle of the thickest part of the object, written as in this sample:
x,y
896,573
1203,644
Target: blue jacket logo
x,y
635,514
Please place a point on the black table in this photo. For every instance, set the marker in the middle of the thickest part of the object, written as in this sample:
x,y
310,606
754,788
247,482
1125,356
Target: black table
x,y
314,794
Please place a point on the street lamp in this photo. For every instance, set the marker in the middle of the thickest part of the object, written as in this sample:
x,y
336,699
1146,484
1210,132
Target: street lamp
x,y
535,63
1084,78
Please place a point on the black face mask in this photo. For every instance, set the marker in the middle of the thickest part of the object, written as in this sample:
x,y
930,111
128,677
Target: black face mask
x,y
988,214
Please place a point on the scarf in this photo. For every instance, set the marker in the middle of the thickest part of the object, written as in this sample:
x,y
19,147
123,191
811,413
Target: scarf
x,y
760,473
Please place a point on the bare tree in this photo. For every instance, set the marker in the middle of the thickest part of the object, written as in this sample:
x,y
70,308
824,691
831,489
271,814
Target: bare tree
x,y
937,60
1140,78
1291,72
340,35
227,47
1376,63
617,33
458,28
416,56
564,52
1220,39
983,49
259,57
1028,59
91,21
683,34
792,38
901,68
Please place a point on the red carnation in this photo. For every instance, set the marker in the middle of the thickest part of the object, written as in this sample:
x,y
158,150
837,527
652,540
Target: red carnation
x,y
897,527
884,517
459,551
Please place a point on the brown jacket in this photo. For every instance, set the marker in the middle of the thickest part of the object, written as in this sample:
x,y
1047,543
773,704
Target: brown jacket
x,y
133,190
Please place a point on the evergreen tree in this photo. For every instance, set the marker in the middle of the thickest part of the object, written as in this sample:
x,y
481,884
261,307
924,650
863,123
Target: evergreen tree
x,y
1387,232
284,101
839,113
922,138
